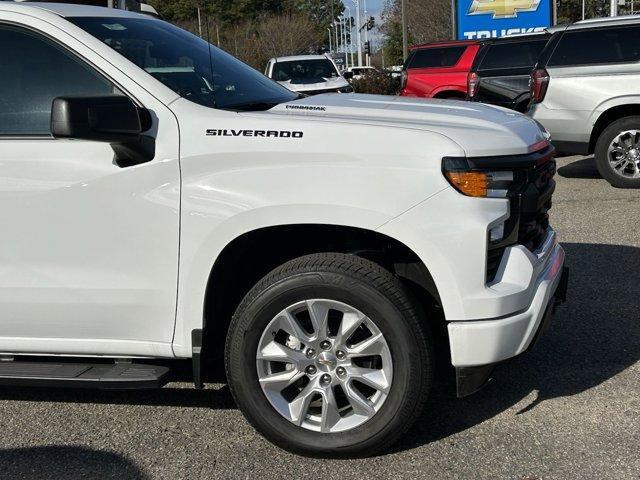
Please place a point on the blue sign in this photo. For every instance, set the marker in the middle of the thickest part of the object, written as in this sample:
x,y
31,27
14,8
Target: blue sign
x,y
478,19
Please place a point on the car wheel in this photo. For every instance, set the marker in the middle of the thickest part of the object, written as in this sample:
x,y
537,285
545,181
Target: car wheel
x,y
328,356
618,153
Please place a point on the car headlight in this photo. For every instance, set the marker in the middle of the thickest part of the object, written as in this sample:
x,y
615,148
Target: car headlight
x,y
476,183
348,89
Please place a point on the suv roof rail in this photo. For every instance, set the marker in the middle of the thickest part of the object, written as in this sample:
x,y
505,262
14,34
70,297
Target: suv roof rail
x,y
620,18
444,43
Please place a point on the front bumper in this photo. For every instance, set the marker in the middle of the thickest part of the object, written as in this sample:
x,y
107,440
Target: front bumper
x,y
477,346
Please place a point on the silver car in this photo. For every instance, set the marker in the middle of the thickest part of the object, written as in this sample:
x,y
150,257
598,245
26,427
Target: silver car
x,y
585,90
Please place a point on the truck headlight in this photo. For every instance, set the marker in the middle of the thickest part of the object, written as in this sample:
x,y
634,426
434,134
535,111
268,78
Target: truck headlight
x,y
476,183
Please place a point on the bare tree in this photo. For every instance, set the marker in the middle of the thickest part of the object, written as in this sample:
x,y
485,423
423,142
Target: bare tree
x,y
428,20
256,41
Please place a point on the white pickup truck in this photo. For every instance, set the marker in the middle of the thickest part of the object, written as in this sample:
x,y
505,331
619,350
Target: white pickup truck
x,y
159,199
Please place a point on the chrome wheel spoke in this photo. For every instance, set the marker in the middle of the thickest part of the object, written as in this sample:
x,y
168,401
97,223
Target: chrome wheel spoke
x,y
374,345
319,315
371,377
288,323
620,164
330,412
299,406
277,382
360,404
349,324
275,352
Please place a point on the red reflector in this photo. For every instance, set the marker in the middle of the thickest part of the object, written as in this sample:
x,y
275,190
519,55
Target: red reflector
x,y
472,84
540,145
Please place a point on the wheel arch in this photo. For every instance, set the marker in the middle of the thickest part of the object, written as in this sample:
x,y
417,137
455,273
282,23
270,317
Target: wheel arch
x,y
286,242
611,113
450,91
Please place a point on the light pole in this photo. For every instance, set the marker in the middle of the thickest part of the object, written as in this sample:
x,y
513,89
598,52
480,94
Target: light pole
x,y
614,8
358,38
350,35
405,40
330,41
366,33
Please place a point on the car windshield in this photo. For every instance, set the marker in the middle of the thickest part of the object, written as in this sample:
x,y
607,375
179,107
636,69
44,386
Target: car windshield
x,y
187,64
305,71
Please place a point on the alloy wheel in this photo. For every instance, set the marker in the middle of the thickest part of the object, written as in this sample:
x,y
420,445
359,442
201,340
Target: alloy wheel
x,y
624,154
324,366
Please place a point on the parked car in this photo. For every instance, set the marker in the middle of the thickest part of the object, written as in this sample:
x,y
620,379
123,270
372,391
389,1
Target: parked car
x,y
359,72
502,68
162,200
395,71
438,70
585,90
308,74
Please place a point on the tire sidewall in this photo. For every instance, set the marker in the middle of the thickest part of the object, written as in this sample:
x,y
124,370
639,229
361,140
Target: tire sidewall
x,y
408,351
602,154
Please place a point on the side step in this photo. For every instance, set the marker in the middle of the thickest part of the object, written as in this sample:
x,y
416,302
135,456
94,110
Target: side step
x,y
126,376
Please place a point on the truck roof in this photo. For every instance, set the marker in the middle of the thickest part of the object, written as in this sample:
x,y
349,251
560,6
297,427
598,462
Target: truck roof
x,y
297,58
70,10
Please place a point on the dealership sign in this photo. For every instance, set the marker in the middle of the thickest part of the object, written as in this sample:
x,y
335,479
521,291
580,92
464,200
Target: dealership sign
x,y
477,19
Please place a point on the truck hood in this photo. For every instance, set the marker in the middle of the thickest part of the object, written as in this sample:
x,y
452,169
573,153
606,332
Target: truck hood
x,y
328,84
481,130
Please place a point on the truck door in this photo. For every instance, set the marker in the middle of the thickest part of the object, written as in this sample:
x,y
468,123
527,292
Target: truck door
x,y
88,249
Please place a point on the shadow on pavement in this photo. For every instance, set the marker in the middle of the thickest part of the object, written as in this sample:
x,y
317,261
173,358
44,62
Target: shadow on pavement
x,y
585,168
66,463
219,399
594,336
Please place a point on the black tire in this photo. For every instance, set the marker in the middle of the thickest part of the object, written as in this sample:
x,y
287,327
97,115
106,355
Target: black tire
x,y
375,292
602,147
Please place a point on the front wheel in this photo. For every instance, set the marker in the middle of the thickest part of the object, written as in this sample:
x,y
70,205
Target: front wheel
x,y
328,356
618,153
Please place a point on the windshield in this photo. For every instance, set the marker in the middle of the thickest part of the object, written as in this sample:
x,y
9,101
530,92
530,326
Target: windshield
x,y
182,62
305,71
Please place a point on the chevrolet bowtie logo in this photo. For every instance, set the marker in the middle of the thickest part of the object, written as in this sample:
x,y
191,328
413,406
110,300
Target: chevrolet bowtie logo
x,y
503,8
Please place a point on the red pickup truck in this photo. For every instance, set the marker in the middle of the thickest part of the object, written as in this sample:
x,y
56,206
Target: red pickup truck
x,y
438,70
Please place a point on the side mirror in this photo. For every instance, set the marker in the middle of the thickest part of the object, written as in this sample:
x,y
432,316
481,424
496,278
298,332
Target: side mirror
x,y
347,75
112,119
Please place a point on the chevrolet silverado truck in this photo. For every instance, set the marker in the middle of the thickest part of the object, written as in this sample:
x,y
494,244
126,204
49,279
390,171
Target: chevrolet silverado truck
x,y
161,201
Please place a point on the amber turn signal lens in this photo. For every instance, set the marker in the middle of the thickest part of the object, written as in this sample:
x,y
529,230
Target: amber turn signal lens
x,y
473,184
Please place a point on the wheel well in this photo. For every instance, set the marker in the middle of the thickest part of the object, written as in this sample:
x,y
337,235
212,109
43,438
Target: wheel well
x,y
450,94
608,117
251,256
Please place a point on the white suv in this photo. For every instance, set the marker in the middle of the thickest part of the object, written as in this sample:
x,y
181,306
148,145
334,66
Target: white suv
x,y
308,74
159,199
585,90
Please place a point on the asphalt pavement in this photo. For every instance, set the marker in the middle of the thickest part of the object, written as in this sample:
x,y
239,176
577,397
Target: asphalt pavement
x,y
569,409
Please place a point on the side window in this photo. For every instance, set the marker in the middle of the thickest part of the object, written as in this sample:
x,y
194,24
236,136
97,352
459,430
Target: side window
x,y
34,72
512,55
597,46
435,57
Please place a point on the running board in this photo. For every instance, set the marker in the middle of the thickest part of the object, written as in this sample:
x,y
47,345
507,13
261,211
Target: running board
x,y
126,376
